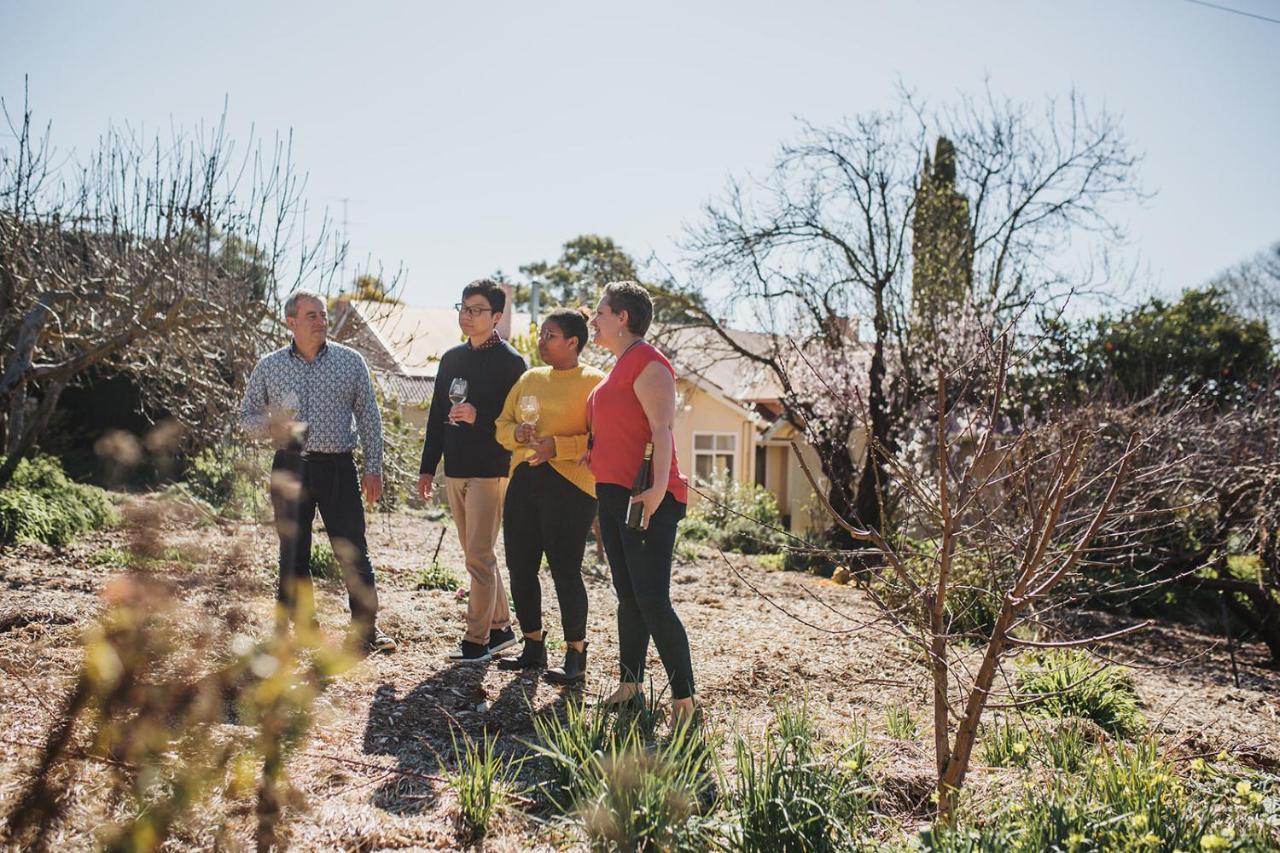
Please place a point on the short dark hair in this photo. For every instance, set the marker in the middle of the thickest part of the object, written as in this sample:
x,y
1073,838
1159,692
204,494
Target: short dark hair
x,y
630,297
490,290
572,322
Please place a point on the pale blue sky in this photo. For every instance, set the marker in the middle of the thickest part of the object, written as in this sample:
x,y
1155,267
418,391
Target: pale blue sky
x,y
473,136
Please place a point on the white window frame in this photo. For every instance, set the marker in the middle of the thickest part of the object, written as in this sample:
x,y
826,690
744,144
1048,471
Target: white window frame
x,y
714,452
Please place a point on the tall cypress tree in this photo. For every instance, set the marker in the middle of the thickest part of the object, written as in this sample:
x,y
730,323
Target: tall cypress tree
x,y
941,240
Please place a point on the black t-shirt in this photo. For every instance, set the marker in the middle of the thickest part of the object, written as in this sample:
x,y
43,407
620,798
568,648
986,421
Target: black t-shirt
x,y
471,450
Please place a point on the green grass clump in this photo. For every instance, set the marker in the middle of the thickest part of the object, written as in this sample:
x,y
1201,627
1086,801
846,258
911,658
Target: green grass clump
x,y
484,781
628,788
436,576
1005,744
1070,683
899,723
111,557
42,504
789,794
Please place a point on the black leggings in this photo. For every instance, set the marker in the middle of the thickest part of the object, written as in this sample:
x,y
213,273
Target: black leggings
x,y
546,514
640,562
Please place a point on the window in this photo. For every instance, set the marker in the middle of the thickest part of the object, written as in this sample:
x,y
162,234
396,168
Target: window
x,y
713,455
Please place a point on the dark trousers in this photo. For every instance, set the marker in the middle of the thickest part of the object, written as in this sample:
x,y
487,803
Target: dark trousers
x,y
328,481
640,562
546,514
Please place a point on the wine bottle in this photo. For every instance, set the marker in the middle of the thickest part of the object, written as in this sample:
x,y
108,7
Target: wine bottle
x,y
644,479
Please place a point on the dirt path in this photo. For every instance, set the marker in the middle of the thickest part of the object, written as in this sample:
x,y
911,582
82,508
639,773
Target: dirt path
x,y
380,727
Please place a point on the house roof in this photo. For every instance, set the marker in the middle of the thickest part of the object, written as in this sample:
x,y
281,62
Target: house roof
x,y
702,352
415,337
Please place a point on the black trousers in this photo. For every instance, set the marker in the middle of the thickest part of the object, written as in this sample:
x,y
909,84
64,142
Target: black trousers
x,y
328,481
546,514
640,562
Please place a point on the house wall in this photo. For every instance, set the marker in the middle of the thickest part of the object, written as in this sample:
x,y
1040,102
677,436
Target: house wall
x,y
702,412
803,505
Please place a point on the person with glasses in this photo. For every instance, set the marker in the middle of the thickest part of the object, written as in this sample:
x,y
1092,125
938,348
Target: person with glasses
x,y
551,499
475,464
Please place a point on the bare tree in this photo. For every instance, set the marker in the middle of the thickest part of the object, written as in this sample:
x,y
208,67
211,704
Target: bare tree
x,y
154,259
1254,287
1016,517
827,236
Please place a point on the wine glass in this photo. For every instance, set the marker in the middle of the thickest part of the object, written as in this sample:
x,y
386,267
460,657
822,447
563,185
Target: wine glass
x,y
529,411
457,393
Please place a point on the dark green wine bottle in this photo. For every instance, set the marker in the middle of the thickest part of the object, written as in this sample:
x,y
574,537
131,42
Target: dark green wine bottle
x,y
644,479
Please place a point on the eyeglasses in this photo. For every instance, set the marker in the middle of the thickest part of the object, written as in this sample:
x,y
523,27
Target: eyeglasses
x,y
469,310
546,336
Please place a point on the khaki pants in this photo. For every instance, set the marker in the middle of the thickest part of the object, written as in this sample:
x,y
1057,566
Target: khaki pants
x,y
476,503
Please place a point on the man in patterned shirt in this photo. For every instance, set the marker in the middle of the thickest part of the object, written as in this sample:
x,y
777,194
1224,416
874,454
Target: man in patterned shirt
x,y
305,397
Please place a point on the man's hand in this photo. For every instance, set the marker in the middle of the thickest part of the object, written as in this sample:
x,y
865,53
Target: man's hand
x,y
372,486
424,486
284,431
651,498
462,413
525,433
543,450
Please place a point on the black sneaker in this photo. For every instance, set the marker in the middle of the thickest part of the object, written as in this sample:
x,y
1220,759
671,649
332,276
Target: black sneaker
x,y
500,641
469,652
532,656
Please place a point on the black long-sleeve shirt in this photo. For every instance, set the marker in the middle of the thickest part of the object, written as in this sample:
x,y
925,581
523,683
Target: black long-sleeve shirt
x,y
470,450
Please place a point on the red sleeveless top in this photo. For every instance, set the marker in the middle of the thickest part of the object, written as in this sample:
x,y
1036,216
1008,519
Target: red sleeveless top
x,y
619,427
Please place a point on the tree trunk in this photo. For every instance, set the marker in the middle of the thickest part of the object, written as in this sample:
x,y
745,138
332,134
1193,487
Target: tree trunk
x,y
873,484
27,439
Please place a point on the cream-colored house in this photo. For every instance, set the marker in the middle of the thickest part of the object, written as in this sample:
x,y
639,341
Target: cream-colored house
x,y
731,420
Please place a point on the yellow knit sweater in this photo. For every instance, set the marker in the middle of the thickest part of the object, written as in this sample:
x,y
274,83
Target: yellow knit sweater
x,y
562,399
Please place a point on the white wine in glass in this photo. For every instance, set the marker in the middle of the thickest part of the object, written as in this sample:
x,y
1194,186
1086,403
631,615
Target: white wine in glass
x,y
457,393
529,411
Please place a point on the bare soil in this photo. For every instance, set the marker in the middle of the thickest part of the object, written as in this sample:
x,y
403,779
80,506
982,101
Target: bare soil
x,y
756,636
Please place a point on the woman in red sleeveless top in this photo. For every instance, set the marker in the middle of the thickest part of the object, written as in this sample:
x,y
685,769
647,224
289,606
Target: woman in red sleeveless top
x,y
636,405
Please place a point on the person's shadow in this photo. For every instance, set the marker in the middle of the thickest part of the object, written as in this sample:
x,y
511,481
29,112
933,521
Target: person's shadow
x,y
421,728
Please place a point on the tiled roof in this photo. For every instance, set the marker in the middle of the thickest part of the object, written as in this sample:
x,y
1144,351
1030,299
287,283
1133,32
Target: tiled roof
x,y
408,390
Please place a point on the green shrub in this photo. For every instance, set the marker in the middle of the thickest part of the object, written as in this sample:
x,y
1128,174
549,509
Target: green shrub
x,y
483,782
231,481
734,516
324,563
789,795
1126,800
975,589
436,576
810,555
42,504
694,527
1068,683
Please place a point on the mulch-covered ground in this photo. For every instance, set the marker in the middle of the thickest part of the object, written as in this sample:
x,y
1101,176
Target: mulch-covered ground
x,y
365,773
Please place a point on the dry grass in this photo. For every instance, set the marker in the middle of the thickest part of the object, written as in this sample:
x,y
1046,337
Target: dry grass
x,y
368,775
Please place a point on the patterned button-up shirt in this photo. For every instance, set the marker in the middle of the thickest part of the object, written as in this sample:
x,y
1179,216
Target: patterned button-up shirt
x,y
327,394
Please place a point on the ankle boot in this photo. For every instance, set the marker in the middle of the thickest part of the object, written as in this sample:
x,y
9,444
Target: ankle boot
x,y
532,656
574,669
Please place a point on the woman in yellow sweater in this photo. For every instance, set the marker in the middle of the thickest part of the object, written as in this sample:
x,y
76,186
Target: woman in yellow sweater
x,y
551,498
